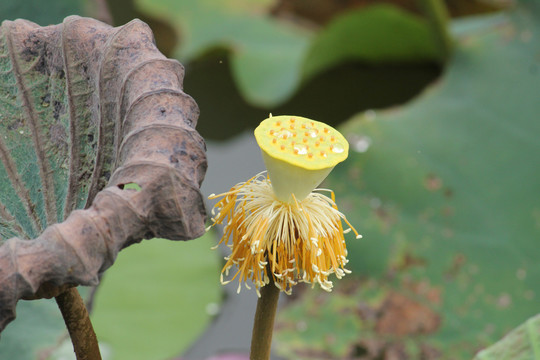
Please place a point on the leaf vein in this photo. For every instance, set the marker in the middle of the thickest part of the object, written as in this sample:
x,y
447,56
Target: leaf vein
x,y
45,170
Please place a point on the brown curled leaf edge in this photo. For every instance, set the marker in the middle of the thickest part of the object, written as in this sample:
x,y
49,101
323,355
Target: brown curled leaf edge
x,y
98,151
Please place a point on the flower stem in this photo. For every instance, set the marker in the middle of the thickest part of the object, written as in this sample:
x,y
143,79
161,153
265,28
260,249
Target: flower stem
x,y
437,15
263,325
78,324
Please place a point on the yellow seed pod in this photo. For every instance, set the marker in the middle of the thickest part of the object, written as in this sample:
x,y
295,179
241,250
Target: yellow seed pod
x,y
299,153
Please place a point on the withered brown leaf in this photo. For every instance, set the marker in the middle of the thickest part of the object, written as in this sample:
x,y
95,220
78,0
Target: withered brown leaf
x,y
85,111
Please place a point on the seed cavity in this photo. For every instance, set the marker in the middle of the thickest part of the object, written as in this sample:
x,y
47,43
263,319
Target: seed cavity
x,y
337,149
284,134
300,149
312,133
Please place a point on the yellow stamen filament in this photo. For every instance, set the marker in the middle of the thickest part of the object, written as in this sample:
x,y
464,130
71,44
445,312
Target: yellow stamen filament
x,y
298,241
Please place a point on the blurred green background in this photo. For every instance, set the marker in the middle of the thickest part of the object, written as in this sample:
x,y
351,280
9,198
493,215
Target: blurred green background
x,y
442,180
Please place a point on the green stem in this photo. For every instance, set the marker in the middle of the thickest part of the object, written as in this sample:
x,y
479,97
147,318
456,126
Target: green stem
x,y
263,325
78,324
437,15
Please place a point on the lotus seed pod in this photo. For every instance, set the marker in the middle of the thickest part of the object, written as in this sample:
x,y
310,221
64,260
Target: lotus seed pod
x,y
299,153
